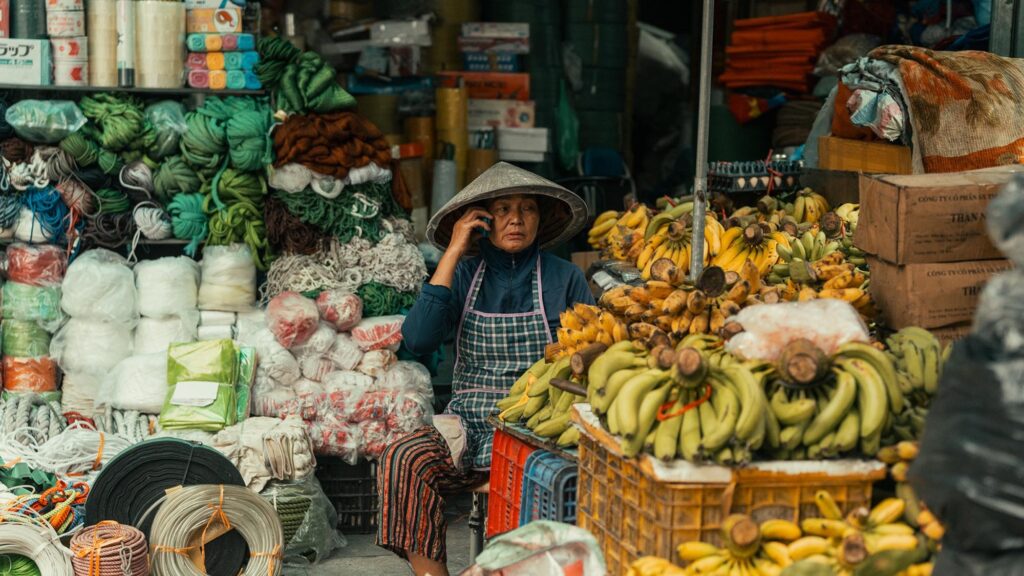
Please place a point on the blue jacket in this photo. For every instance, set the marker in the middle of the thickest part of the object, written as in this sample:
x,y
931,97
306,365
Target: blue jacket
x,y
505,290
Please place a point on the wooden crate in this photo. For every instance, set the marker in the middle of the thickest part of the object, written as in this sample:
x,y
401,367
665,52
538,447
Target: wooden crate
x,y
858,156
641,506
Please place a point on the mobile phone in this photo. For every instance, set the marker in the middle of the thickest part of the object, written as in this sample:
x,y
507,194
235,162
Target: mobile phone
x,y
485,230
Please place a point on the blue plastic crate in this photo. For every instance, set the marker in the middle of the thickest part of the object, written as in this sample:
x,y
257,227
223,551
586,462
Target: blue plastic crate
x,y
549,489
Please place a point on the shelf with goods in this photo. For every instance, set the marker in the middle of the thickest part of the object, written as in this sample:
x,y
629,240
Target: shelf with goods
x,y
100,344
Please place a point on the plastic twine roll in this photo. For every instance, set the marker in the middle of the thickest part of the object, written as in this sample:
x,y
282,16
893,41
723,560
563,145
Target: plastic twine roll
x,y
25,339
381,300
28,19
34,303
160,28
41,545
137,180
152,222
188,220
16,150
101,23
38,374
235,206
18,565
173,177
110,548
87,153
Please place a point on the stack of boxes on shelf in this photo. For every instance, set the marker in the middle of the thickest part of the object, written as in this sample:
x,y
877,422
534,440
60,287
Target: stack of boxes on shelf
x,y
929,250
596,35
220,56
65,25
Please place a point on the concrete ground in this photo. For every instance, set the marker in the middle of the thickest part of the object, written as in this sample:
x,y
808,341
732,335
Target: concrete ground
x,y
361,556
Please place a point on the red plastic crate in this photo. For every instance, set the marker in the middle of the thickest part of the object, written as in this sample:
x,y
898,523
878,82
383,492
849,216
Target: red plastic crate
x,y
508,460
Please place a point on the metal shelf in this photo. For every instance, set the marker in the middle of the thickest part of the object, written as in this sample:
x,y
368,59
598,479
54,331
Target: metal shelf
x,y
142,91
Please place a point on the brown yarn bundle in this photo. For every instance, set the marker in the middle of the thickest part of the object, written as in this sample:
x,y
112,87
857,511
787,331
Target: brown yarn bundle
x,y
330,144
287,233
399,189
16,150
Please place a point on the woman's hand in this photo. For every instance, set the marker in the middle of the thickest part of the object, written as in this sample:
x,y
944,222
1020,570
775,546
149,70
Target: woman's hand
x,y
465,227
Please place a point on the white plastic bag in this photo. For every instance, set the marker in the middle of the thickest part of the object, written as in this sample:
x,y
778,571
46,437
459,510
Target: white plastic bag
x,y
156,334
319,343
292,318
376,362
769,328
345,353
136,383
228,279
342,309
315,367
99,285
274,360
167,286
379,332
91,346
342,380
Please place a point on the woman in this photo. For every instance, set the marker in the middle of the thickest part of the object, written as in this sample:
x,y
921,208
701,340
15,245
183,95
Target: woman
x,y
502,306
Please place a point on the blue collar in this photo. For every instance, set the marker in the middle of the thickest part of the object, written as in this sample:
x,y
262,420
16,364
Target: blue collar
x,y
502,261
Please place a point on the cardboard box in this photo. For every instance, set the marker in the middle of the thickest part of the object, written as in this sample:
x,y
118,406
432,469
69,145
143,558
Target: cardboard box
x,y
858,156
211,20
489,85
491,62
523,139
496,29
520,156
930,295
951,334
494,45
837,187
929,217
501,113
25,62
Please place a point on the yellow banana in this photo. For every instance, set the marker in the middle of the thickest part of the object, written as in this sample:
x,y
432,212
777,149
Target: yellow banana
x,y
777,552
824,527
692,551
886,512
780,530
806,547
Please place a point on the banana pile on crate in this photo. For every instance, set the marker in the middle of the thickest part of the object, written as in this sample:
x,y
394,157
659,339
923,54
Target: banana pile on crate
x,y
865,541
899,457
542,398
620,236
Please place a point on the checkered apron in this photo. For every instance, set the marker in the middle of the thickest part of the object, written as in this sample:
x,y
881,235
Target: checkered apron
x,y
491,352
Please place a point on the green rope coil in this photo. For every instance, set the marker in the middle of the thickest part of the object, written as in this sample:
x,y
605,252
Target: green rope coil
x,y
356,213
233,186
188,220
117,122
248,134
381,300
276,54
18,565
173,177
205,141
87,153
234,203
25,339
301,81
112,201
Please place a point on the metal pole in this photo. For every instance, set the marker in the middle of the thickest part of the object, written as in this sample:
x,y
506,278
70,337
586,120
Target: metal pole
x,y
700,181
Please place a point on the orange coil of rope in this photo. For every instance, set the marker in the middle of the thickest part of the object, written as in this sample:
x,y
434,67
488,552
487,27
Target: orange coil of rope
x,y
110,549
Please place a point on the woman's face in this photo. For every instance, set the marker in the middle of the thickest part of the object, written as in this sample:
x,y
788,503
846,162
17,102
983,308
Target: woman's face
x,y
516,220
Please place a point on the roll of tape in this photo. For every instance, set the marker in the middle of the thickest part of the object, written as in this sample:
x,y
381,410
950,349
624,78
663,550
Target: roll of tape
x,y
160,51
71,72
65,23
102,23
76,48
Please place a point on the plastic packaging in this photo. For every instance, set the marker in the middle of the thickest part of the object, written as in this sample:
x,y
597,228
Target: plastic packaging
x,y
28,228
315,367
342,309
292,318
77,393
36,264
376,362
201,386
277,362
345,353
167,286
30,374
768,328
45,121
91,346
32,303
308,518
136,383
156,335
99,285
411,376
541,547
244,382
228,279
336,438
347,380
24,339
319,343
168,120
378,333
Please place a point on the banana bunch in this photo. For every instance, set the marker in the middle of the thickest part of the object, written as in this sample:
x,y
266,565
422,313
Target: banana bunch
x,y
749,550
797,257
899,457
654,566
809,206
670,238
583,324
824,407
545,408
879,529
620,237
755,242
825,273
918,357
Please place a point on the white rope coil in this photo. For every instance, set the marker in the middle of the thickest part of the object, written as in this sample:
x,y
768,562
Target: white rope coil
x,y
128,424
80,449
41,545
190,510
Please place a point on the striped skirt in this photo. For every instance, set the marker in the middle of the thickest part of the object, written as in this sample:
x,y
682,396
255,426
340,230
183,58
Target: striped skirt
x,y
413,474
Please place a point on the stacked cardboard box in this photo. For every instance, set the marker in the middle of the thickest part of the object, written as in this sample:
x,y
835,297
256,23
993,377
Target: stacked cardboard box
x,y
930,250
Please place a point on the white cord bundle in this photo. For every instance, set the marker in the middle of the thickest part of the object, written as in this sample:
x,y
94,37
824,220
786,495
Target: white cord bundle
x,y
33,173
40,544
29,419
167,286
99,285
295,178
91,346
59,164
152,222
265,449
29,228
228,279
128,424
80,449
186,512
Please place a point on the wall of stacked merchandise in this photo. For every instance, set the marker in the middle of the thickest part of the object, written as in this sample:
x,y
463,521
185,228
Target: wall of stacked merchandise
x,y
194,293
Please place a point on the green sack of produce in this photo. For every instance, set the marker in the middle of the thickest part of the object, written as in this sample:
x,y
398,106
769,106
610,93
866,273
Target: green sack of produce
x,y
201,378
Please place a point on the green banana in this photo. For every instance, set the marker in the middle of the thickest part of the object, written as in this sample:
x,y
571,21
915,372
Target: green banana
x,y
604,397
689,434
790,412
785,253
631,397
751,416
829,418
791,437
871,398
848,432
559,369
534,405
537,370
570,437
646,420
607,364
553,427
539,417
727,410
666,440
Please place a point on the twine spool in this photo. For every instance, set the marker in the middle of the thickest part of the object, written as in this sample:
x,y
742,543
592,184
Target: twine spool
x,y
382,110
452,121
28,19
30,374
110,548
444,188
160,44
480,159
101,22
25,339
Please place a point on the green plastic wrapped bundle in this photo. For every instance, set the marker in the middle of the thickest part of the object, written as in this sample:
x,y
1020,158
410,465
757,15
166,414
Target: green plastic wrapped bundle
x,y
24,339
32,303
246,378
201,378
